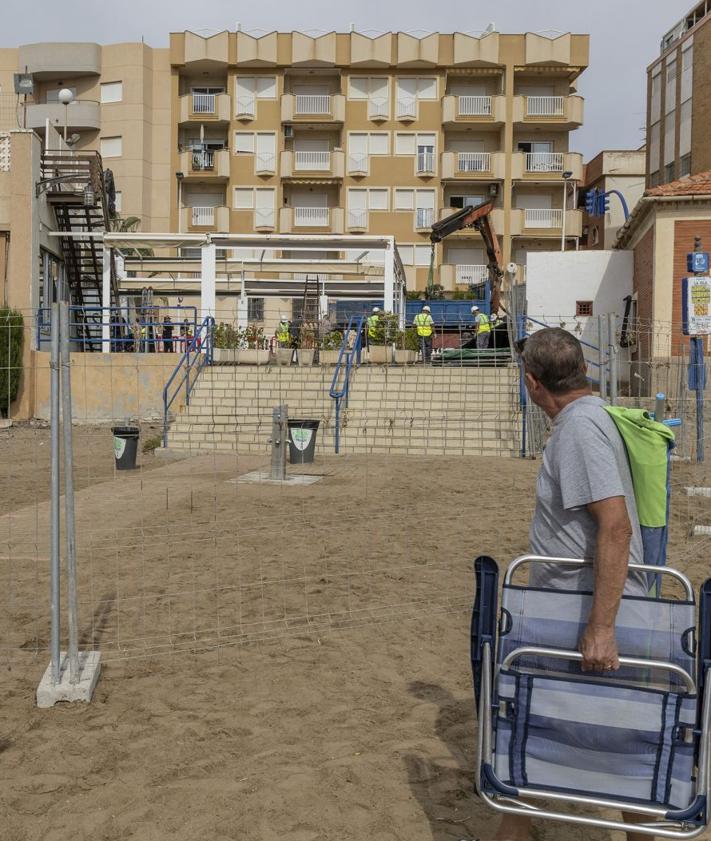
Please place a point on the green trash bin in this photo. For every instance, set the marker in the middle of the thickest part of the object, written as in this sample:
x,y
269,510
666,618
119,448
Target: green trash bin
x,y
125,446
302,440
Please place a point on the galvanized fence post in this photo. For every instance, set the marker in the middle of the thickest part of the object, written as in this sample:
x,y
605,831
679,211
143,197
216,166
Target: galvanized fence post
x,y
55,626
612,345
601,356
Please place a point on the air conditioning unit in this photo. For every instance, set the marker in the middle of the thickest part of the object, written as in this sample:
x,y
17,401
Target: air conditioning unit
x,y
288,132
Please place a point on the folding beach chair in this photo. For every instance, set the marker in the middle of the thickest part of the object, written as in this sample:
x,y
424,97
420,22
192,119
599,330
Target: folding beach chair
x,y
635,740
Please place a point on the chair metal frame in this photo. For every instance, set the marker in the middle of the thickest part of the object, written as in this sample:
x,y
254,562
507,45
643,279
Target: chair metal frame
x,y
502,797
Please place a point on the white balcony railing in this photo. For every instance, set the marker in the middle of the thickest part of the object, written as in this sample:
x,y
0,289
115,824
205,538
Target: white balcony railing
x,y
264,218
313,103
471,274
544,162
424,217
203,160
315,160
378,108
357,218
536,217
406,109
473,162
358,163
425,162
246,106
203,103
265,162
545,106
311,217
474,106
202,216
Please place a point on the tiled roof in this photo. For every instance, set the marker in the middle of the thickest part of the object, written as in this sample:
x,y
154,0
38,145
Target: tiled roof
x,y
694,185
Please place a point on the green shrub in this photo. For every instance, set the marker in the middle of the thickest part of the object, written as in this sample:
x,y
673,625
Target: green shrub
x,y
410,340
11,338
152,443
332,340
386,331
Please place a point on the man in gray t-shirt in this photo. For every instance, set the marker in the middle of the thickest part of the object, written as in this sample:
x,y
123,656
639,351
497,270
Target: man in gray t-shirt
x,y
585,506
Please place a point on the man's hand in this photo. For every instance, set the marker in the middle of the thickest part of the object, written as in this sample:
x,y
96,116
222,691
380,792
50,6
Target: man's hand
x,y
599,649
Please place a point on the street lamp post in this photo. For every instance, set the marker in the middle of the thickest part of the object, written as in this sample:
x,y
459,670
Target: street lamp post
x,y
66,97
567,175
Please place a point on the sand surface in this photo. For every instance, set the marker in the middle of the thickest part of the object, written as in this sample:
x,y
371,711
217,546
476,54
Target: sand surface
x,y
280,663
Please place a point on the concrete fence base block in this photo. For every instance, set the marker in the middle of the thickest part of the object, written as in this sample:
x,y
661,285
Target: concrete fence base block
x,y
48,693
698,491
701,531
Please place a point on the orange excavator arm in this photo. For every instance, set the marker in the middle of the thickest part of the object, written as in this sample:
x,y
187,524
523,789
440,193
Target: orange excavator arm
x,y
478,217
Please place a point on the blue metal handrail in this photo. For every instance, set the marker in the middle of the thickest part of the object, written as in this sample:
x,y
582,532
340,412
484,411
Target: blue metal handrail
x,y
346,356
201,348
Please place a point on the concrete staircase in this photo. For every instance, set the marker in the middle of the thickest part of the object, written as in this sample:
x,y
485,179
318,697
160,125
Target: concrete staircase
x,y
407,410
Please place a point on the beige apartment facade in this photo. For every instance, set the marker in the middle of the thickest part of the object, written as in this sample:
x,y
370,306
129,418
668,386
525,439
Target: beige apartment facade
x,y
340,133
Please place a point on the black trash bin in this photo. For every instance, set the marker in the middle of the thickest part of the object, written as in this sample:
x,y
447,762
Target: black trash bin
x,y
125,446
302,440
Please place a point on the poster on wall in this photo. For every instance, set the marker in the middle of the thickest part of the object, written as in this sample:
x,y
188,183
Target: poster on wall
x,y
696,306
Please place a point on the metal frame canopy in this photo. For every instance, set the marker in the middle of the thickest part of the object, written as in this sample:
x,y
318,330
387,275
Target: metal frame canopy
x,y
363,277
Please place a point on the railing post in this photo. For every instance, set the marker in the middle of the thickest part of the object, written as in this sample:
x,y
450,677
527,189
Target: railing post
x,y
106,302
601,356
280,434
612,345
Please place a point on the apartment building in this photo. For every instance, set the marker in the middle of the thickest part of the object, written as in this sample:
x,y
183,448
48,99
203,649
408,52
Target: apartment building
x,y
621,170
338,133
679,100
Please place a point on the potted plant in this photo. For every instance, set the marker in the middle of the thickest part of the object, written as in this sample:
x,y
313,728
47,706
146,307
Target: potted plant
x,y
226,344
254,350
407,346
383,337
330,347
307,346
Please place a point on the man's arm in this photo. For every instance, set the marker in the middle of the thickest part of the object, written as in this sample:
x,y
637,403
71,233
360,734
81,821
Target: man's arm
x,y
614,532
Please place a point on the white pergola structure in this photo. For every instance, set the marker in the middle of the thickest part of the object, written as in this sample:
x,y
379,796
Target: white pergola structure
x,y
368,267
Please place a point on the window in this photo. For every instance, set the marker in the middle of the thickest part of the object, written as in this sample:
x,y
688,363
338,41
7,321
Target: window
x,y
243,198
255,309
655,178
111,147
257,87
656,93
654,147
415,255
685,128
669,138
583,308
379,143
669,172
465,201
687,71
244,143
372,198
404,199
405,144
53,95
118,201
685,165
111,92
418,87
670,100
366,87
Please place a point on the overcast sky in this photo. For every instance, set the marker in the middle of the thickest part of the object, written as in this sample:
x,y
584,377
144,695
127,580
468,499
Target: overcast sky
x,y
625,35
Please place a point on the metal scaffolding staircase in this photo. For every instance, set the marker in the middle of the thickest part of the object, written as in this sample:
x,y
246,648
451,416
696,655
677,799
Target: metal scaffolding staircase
x,y
74,184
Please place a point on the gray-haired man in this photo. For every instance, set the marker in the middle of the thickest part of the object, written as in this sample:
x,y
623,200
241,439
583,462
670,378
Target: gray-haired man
x,y
585,505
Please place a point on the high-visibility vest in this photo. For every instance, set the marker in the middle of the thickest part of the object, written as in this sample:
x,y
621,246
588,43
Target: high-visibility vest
x,y
372,324
424,323
484,323
283,332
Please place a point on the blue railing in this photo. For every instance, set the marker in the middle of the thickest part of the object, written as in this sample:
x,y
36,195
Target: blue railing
x,y
346,356
199,353
142,335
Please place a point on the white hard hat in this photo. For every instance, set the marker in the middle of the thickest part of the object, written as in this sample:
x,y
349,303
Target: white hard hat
x,y
426,309
376,309
284,317
475,309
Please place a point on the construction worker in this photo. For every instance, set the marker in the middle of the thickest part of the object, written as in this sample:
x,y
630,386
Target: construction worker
x,y
283,332
373,323
425,328
482,328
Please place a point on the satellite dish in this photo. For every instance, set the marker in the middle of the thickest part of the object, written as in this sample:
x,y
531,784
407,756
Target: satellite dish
x,y
512,268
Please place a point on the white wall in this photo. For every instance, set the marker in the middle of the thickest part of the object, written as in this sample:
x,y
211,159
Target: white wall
x,y
556,280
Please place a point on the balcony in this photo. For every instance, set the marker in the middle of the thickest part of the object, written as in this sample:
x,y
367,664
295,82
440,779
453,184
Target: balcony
x,y
205,164
203,218
299,219
561,111
357,221
425,163
546,166
265,163
245,107
542,222
81,115
264,219
474,109
205,107
358,164
312,108
424,217
451,275
406,109
473,166
60,60
310,164
379,108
